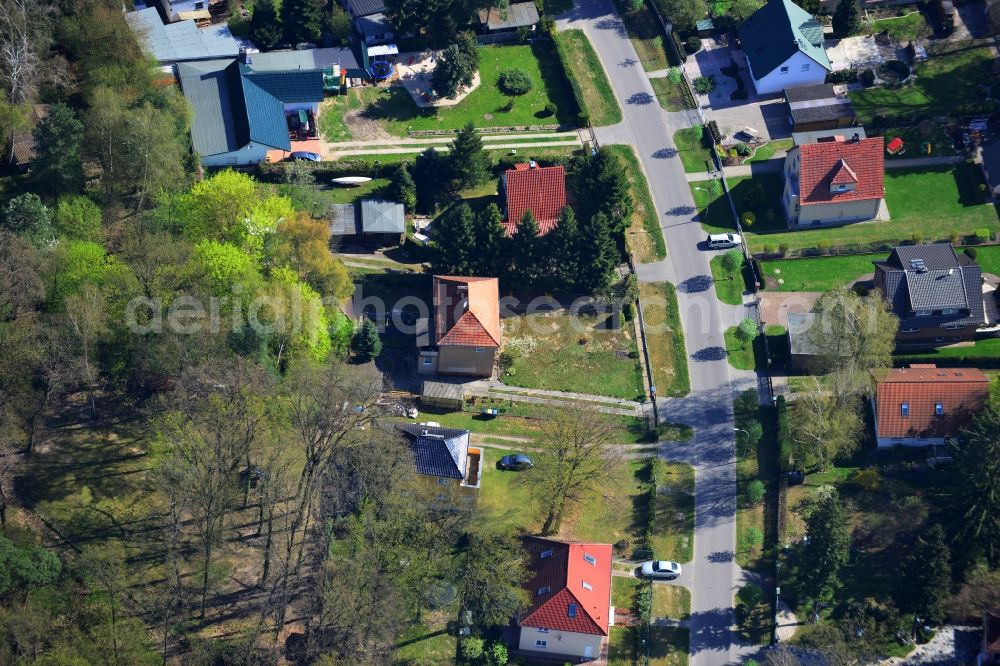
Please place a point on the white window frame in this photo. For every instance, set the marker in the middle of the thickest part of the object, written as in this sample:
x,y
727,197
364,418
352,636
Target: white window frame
x,y
904,409
923,313
539,643
541,630
590,559
480,350
442,481
588,586
428,360
805,67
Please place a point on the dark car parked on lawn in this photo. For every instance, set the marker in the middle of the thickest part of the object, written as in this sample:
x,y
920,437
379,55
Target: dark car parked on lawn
x,y
516,462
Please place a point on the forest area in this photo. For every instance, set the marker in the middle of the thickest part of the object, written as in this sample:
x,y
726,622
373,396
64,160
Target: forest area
x,y
193,469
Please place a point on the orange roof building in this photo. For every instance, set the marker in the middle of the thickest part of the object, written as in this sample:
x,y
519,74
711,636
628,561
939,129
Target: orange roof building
x,y
923,404
834,181
570,610
465,334
542,190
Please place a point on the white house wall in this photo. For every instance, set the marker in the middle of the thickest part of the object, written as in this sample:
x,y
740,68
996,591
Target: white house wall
x,y
802,71
889,442
303,106
252,153
560,643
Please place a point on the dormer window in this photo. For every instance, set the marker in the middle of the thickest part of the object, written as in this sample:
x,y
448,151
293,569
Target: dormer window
x,y
904,409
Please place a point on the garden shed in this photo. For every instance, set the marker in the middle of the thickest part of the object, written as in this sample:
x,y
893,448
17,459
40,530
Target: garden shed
x,y
443,395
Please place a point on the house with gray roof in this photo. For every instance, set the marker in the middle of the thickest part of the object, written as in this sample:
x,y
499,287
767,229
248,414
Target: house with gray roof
x,y
989,157
783,47
936,293
375,29
331,59
182,41
372,222
239,114
447,468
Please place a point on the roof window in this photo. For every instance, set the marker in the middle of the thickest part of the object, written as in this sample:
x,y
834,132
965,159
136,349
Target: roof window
x,y
589,559
904,409
571,610
938,409
588,586
543,590
545,553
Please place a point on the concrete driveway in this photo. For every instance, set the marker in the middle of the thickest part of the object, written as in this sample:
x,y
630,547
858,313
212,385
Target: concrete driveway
x,y
769,116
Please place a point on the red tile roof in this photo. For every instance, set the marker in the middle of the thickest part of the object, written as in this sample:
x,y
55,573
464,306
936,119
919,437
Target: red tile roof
x,y
841,163
542,190
466,311
959,391
567,604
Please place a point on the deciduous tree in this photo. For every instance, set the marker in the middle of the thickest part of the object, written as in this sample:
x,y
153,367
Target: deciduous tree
x,y
456,67
489,577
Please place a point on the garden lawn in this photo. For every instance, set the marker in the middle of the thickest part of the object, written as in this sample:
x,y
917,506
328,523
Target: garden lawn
x,y
586,69
693,154
819,273
986,348
665,338
331,116
422,646
485,106
768,150
671,95
668,646
624,591
953,81
645,238
319,198
673,536
621,646
740,356
906,28
913,137
612,514
560,352
728,286
926,203
988,257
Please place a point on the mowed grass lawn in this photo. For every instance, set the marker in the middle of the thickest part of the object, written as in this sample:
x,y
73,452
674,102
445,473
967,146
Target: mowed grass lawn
x,y
818,273
645,238
665,338
673,536
904,28
955,80
929,203
586,69
728,286
693,153
671,95
579,354
485,106
740,356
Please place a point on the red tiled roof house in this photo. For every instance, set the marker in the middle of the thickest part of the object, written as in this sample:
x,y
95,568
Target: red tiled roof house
x,y
542,190
570,609
463,335
924,405
834,182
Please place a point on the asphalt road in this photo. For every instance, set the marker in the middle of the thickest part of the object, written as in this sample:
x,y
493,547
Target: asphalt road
x,y
713,572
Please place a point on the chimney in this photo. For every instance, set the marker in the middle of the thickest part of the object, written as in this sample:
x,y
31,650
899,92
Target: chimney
x,y
856,138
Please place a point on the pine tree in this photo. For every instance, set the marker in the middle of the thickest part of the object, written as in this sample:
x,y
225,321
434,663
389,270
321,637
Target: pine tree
x,y
524,249
58,165
491,241
265,26
302,20
428,169
403,189
976,500
926,583
563,244
456,66
468,161
615,190
455,241
846,18
366,343
598,254
827,549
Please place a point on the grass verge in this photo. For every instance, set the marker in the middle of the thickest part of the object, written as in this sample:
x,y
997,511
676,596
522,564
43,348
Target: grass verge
x,y
586,75
672,96
740,356
693,153
665,338
645,238
728,286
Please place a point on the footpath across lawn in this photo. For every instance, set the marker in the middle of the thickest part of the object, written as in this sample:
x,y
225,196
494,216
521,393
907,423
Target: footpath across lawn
x,y
580,354
585,67
485,106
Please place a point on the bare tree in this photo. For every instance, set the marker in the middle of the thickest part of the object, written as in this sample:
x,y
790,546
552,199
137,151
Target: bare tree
x,y
781,655
23,39
577,454
87,318
7,459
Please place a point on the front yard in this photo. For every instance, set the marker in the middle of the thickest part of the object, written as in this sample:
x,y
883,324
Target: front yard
x,y
579,354
818,273
486,106
926,205
665,338
695,157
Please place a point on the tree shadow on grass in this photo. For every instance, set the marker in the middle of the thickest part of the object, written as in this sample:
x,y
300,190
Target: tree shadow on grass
x,y
555,82
395,104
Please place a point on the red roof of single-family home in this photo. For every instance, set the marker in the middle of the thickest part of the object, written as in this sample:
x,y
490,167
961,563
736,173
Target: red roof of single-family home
x,y
466,311
570,586
542,190
858,162
907,400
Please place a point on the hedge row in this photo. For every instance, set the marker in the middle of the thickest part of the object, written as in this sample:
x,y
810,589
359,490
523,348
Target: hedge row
x,y
582,117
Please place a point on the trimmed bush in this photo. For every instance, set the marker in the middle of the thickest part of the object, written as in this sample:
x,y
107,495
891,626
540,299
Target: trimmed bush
x,y
713,129
703,85
971,253
692,45
514,82
982,235
868,77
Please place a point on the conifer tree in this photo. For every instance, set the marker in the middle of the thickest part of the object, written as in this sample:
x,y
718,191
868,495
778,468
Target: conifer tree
x,y
454,241
469,162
